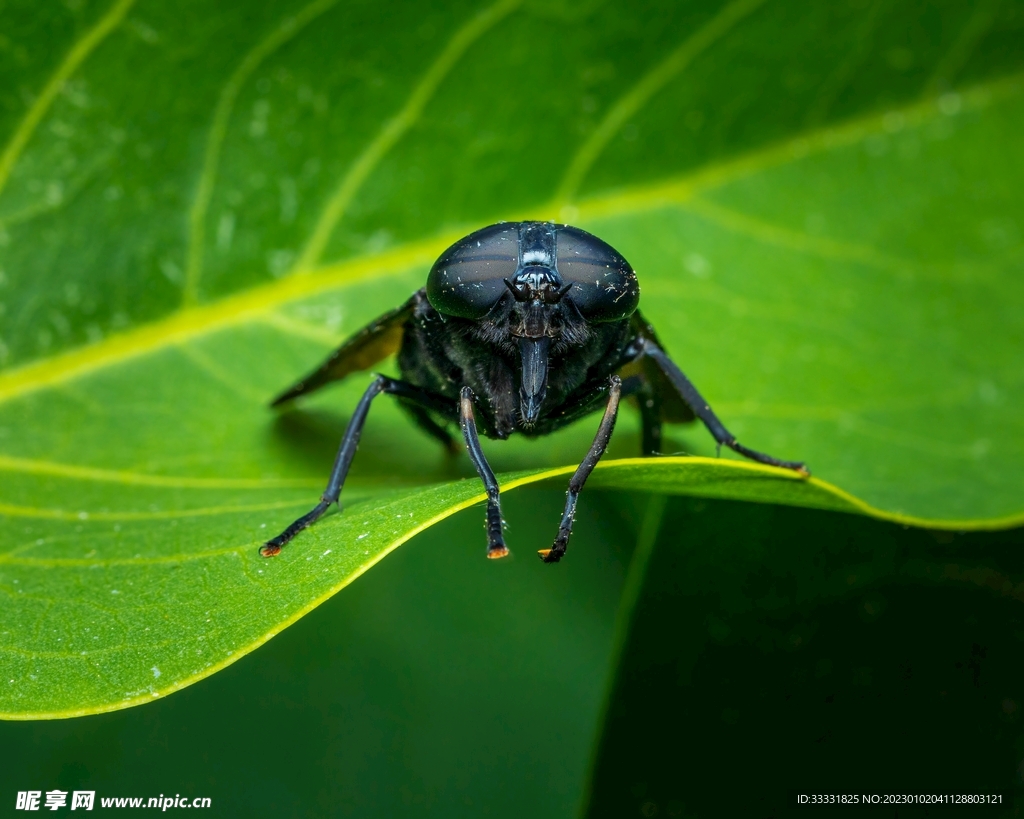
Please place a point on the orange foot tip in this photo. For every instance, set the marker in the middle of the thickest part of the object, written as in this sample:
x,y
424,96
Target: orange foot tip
x,y
543,553
267,550
497,551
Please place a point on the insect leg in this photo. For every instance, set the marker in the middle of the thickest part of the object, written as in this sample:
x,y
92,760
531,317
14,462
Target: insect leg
x,y
495,539
604,433
347,451
702,410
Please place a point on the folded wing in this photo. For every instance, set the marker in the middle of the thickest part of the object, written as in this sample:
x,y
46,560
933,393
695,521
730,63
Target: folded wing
x,y
674,409
375,342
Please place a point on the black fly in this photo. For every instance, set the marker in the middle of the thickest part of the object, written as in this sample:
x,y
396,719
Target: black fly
x,y
522,327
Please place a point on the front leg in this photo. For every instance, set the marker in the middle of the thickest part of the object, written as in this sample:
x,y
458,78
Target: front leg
x,y
347,451
604,433
467,420
703,410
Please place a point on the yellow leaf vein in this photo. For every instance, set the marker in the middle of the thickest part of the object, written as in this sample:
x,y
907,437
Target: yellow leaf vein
x,y
291,26
393,130
254,303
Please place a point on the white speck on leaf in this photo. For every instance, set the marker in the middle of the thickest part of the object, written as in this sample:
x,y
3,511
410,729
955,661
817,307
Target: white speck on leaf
x,y
697,265
949,104
171,271
894,122
225,230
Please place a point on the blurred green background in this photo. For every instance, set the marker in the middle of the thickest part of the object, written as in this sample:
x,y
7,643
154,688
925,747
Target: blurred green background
x,y
776,652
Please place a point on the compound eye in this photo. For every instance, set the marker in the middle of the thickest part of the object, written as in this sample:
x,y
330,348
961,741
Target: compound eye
x,y
604,286
469,278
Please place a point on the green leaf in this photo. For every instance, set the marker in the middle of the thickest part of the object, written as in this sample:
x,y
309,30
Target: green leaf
x,y
824,207
426,684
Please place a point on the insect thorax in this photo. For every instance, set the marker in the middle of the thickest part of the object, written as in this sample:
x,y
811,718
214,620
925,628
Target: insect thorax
x,y
443,354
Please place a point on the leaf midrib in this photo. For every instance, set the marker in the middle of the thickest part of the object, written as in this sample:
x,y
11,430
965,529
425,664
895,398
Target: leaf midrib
x,y
191,322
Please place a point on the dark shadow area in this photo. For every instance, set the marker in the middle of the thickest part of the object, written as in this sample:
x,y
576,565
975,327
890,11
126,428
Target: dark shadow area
x,y
393,451
777,652
404,457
